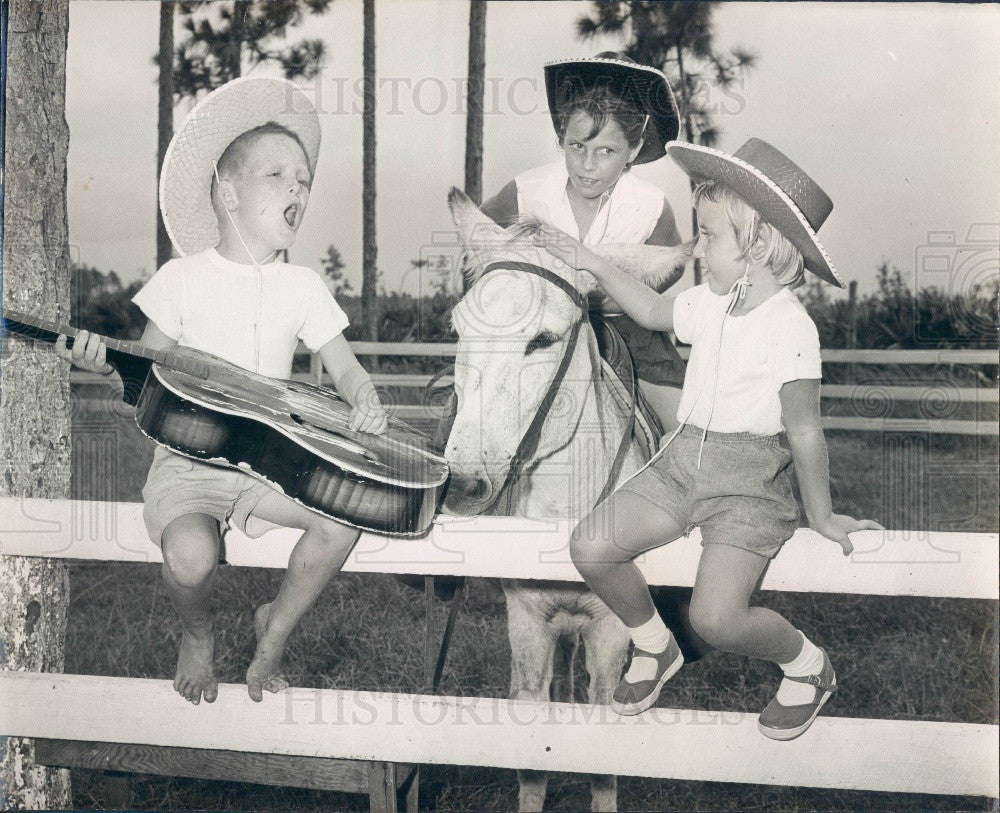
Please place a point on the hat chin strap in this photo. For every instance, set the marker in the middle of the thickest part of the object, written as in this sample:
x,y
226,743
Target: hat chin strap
x,y
740,288
246,248
736,293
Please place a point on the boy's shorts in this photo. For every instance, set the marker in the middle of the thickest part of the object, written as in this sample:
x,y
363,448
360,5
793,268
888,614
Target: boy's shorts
x,y
741,496
177,485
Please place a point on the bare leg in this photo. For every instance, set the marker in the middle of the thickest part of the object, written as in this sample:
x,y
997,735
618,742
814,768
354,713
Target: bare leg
x,y
720,611
190,558
318,555
664,400
604,544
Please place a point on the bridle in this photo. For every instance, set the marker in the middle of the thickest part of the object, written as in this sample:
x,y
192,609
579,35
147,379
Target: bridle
x,y
529,441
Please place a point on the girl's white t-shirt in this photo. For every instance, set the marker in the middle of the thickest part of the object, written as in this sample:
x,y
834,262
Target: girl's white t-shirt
x,y
738,364
251,317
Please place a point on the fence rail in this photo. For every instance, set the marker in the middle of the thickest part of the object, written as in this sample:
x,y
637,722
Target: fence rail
x,y
912,563
900,756
935,394
946,356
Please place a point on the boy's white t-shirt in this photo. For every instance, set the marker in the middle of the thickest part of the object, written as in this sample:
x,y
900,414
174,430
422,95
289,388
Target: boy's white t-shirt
x,y
252,318
773,344
629,215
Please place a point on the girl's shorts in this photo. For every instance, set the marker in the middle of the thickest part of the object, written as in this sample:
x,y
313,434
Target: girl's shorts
x,y
177,485
741,496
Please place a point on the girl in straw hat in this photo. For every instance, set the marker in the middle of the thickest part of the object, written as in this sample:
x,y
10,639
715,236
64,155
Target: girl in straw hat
x,y
609,113
233,190
754,372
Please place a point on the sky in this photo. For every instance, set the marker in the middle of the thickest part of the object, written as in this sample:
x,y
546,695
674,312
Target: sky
x,y
893,108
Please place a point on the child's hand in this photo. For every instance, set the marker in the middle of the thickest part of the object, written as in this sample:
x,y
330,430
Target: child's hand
x,y
88,353
838,526
368,414
571,251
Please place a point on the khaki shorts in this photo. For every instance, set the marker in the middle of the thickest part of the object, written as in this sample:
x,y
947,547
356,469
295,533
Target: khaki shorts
x,y
741,495
177,486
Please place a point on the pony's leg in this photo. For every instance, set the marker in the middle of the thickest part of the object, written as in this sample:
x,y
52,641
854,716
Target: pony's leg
x,y
532,646
605,647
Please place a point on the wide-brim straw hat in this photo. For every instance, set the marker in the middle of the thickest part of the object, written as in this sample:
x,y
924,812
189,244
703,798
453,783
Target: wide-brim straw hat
x,y
210,127
768,180
645,87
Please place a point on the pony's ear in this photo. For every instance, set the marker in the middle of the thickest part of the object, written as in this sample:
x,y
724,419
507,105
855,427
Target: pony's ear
x,y
658,267
479,235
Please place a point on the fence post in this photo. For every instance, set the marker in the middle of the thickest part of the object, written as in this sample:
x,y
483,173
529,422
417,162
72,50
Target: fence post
x,y
316,369
904,467
852,314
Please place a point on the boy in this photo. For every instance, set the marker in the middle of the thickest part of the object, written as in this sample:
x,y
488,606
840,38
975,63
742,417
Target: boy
x,y
233,190
754,372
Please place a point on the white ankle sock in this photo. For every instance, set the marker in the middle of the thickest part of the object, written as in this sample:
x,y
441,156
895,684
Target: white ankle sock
x,y
808,662
653,636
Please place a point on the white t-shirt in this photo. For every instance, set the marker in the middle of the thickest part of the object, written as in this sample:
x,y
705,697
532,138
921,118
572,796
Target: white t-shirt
x,y
628,216
252,318
774,343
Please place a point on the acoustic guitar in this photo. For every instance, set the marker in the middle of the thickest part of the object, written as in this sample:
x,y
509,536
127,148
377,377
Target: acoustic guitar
x,y
290,434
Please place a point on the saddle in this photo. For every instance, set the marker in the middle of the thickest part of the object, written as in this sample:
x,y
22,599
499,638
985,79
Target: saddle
x,y
619,366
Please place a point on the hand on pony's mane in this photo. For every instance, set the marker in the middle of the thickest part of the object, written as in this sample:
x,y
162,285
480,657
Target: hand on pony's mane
x,y
659,267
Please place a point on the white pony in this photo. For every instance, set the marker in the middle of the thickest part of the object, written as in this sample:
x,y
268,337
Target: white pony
x,y
518,328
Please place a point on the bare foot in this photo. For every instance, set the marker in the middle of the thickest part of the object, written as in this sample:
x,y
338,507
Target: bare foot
x,y
264,673
195,676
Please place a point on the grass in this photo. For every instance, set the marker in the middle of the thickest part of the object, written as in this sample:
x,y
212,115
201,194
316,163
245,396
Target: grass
x,y
897,658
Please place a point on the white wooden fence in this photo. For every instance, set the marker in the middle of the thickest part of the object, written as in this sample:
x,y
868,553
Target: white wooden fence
x,y
379,730
364,742
935,395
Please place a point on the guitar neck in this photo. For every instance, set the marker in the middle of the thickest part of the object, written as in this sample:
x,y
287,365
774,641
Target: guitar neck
x,y
43,330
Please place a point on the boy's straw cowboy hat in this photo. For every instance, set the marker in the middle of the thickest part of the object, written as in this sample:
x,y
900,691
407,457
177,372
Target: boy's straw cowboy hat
x,y
645,87
210,127
772,184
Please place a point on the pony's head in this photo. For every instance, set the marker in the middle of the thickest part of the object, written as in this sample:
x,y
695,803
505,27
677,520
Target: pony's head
x,y
514,328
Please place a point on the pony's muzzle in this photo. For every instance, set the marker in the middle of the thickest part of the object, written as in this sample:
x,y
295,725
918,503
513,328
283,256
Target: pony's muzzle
x,y
468,494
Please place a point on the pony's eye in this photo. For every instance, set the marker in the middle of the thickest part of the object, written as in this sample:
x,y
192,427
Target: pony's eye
x,y
544,339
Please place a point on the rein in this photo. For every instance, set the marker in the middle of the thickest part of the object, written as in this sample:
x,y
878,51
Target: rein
x,y
529,441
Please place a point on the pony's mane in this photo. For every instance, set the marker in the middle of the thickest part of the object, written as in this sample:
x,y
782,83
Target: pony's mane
x,y
488,245
525,227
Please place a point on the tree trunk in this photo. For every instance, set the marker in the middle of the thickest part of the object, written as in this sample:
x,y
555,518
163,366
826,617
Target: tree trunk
x,y
369,268
474,105
476,90
165,115
34,399
237,35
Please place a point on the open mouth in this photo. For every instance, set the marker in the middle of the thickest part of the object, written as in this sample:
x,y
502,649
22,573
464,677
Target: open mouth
x,y
291,213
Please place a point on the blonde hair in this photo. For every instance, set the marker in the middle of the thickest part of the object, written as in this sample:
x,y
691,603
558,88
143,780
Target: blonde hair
x,y
758,241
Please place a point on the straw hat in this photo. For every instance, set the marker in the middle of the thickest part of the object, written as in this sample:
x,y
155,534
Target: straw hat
x,y
772,184
645,87
210,127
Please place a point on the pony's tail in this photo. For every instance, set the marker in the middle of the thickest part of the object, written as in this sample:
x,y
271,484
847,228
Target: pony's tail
x,y
563,672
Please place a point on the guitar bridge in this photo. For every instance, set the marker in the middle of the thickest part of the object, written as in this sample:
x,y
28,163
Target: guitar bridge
x,y
333,435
